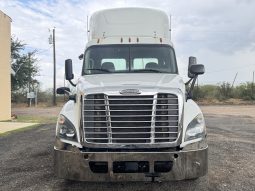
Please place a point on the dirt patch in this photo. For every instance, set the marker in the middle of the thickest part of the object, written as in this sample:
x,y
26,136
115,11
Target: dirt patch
x,y
233,110
231,101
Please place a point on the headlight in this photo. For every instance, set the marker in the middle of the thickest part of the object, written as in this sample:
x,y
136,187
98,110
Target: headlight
x,y
66,129
196,128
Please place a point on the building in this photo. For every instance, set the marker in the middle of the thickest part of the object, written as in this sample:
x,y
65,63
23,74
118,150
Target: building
x,y
5,67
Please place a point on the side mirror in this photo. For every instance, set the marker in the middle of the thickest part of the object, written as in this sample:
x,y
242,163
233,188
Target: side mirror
x,y
192,61
197,69
69,69
63,90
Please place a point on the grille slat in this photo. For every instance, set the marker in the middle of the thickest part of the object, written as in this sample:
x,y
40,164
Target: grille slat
x,y
129,138
130,132
127,115
143,119
132,127
136,110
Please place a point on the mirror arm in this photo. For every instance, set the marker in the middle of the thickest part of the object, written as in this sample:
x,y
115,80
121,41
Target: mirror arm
x,y
70,81
193,83
67,92
189,94
187,83
72,97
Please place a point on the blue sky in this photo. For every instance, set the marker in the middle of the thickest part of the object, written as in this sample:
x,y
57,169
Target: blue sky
x,y
220,33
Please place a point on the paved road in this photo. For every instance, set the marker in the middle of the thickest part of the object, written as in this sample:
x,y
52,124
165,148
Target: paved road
x,y
27,157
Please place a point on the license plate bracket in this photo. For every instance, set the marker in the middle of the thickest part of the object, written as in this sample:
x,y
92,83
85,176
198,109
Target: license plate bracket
x,y
131,166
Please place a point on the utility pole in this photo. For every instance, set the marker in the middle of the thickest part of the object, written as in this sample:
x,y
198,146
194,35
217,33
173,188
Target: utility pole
x,y
54,67
29,64
29,83
234,80
52,41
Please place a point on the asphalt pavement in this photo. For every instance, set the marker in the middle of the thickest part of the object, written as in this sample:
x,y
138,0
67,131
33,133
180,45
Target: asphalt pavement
x,y
26,161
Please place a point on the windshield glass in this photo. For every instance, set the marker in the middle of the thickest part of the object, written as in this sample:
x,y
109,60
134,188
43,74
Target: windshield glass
x,y
129,59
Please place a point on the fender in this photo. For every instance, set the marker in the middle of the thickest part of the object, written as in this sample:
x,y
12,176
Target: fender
x,y
191,110
71,111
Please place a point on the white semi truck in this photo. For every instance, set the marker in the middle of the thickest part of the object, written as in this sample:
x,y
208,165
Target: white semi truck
x,y
131,116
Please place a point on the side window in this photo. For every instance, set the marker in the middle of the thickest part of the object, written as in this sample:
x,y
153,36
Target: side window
x,y
140,63
119,63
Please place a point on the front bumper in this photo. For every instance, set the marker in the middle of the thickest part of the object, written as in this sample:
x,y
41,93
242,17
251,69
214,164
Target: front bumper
x,y
185,165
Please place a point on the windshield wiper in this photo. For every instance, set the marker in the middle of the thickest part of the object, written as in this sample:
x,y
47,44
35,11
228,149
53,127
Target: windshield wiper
x,y
99,69
148,70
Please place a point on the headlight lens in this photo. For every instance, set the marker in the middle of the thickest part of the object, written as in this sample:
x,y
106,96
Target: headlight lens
x,y
196,128
66,129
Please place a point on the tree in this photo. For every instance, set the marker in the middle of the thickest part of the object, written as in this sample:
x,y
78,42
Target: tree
x,y
25,67
16,47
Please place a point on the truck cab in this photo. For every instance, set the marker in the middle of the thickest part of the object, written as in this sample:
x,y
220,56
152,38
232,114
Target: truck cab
x,y
131,116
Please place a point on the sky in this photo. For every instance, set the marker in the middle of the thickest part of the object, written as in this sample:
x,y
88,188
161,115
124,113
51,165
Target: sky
x,y
220,33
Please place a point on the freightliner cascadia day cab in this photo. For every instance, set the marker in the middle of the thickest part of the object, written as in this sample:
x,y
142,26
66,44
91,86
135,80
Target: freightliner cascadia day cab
x,y
131,116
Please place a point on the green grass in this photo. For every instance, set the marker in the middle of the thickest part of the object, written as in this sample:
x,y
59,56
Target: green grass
x,y
19,130
36,119
30,119
33,119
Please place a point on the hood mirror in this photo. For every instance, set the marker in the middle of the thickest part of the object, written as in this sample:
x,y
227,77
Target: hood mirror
x,y
63,90
81,57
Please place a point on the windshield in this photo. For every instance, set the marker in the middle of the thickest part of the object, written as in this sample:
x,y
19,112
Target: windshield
x,y
129,59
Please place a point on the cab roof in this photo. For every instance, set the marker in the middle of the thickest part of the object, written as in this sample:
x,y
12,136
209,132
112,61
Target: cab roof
x,y
129,22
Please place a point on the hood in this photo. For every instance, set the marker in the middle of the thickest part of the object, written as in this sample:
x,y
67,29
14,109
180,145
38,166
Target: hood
x,y
143,81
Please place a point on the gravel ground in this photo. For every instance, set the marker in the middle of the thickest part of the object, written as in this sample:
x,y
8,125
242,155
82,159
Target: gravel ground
x,y
27,161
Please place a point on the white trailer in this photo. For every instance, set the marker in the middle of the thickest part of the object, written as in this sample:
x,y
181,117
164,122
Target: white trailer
x,y
131,117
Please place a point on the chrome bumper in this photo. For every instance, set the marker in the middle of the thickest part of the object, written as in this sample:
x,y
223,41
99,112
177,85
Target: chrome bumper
x,y
75,165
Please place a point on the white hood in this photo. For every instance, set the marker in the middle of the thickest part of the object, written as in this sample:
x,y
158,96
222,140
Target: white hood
x,y
100,83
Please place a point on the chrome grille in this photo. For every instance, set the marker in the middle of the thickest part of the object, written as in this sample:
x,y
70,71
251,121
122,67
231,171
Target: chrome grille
x,y
142,119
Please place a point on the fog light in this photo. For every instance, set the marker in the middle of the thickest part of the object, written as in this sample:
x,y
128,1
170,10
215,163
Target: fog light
x,y
163,166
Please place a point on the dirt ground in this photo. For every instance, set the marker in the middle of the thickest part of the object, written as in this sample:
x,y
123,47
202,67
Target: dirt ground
x,y
234,110
27,157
